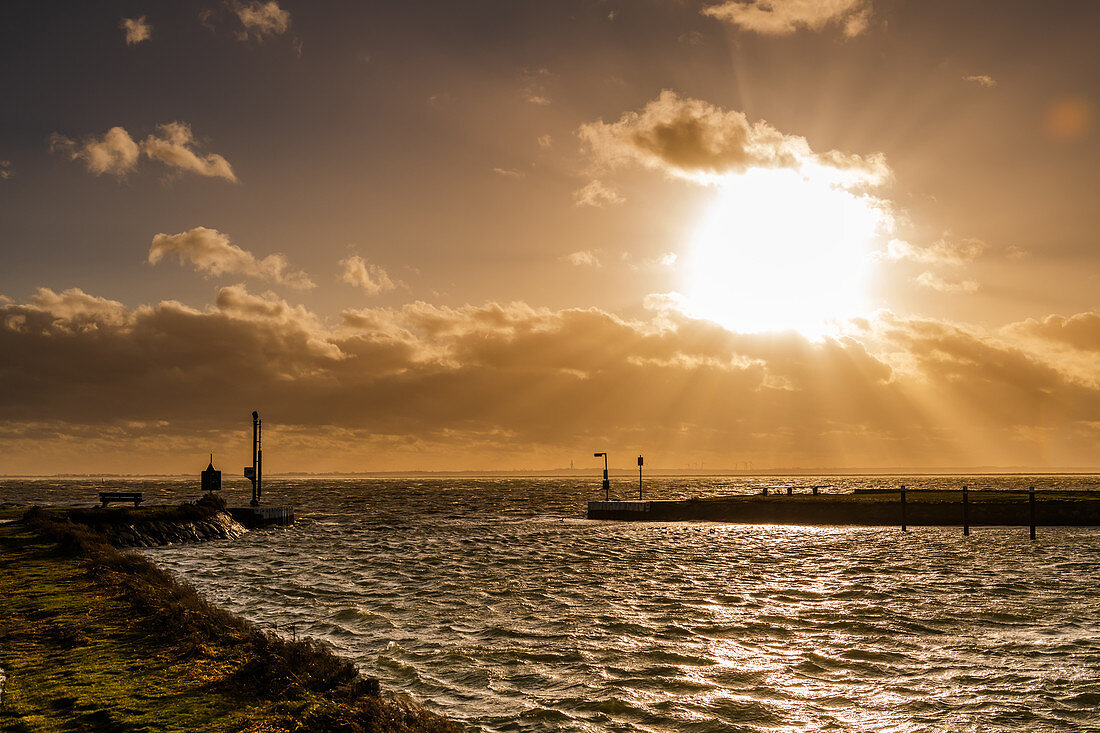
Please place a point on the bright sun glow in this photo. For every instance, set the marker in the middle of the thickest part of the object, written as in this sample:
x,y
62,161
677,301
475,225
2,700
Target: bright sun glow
x,y
780,250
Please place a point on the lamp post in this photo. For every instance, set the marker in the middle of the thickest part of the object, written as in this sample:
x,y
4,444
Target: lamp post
x,y
606,483
254,472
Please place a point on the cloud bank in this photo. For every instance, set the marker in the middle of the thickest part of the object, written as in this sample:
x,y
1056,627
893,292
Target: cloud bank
x,y
480,382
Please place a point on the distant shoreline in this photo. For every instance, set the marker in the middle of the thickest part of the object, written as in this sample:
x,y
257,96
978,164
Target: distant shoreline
x,y
624,473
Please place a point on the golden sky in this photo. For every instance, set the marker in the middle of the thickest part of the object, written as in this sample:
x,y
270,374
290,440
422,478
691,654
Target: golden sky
x,y
506,234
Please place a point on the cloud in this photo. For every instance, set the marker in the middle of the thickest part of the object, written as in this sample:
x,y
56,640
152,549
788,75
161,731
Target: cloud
x,y
584,258
935,282
478,385
507,173
114,153
117,154
211,252
943,251
260,20
783,17
597,194
693,139
362,274
982,80
135,29
5,170
466,386
534,86
545,141
1080,331
172,147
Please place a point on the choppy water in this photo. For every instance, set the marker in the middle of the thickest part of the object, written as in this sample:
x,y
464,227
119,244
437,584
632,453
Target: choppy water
x,y
496,603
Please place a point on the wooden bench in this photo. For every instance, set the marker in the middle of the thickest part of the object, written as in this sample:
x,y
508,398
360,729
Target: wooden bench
x,y
108,496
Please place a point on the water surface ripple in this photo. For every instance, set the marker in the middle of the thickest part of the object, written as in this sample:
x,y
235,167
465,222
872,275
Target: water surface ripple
x,y
496,603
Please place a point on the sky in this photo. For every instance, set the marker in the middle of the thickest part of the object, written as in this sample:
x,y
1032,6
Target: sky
x,y
506,234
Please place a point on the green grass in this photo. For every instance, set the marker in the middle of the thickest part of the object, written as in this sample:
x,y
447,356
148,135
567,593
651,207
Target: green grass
x,y
93,639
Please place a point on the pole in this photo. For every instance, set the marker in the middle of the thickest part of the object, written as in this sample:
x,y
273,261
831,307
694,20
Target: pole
x,y
606,482
903,528
255,439
639,478
1031,508
259,460
966,513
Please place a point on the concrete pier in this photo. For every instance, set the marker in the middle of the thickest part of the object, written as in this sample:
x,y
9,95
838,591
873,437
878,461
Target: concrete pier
x,y
263,516
870,508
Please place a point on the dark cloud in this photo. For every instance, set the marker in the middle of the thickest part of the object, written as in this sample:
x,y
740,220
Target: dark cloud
x,y
533,379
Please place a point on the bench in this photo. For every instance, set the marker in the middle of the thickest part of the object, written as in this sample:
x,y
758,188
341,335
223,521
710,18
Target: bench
x,y
108,496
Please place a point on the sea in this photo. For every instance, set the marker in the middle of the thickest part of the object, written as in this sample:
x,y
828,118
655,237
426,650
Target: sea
x,y
497,603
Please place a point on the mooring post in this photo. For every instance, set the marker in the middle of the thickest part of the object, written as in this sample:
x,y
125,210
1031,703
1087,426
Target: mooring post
x,y
765,491
1031,509
790,490
903,528
815,491
966,513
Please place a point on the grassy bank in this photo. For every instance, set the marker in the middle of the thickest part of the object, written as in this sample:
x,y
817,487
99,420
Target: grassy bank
x,y
95,639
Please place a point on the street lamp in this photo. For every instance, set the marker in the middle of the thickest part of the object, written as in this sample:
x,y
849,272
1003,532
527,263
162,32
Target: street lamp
x,y
606,483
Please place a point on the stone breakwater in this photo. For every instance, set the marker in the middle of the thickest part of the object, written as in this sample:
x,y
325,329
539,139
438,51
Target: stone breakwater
x,y
153,533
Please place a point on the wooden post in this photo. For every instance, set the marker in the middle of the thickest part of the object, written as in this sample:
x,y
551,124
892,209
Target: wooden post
x,y
815,491
966,513
903,527
790,490
1031,508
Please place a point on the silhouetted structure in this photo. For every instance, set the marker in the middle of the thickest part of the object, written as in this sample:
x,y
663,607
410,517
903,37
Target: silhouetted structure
x,y
254,473
606,483
211,478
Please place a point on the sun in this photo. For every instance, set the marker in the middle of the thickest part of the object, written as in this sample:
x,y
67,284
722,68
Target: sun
x,y
779,250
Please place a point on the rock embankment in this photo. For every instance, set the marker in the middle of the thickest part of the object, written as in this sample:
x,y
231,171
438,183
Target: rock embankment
x,y
152,533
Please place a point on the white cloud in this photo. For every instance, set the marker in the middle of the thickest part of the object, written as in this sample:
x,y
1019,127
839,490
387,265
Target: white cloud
x,y
596,193
982,80
545,141
260,20
935,282
172,146
943,251
693,139
507,173
115,152
5,170
135,29
362,274
211,252
782,17
534,86
585,258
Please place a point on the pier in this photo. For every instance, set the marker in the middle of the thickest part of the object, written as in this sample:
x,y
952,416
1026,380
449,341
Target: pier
x,y
872,508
